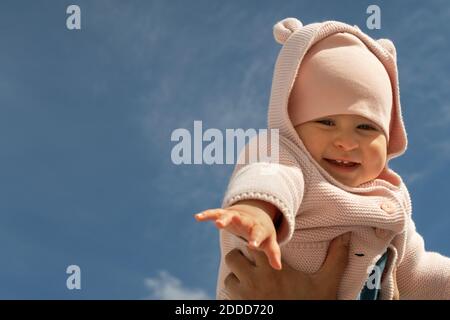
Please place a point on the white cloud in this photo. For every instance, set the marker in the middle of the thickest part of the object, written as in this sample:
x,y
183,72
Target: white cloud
x,y
414,177
433,164
167,287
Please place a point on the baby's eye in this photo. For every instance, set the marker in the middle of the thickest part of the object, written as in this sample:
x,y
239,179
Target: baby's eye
x,y
325,122
367,127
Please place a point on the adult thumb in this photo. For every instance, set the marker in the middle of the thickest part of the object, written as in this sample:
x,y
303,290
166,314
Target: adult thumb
x,y
337,258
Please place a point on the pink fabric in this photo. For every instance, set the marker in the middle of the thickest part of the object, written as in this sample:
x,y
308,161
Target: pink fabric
x,y
341,70
316,208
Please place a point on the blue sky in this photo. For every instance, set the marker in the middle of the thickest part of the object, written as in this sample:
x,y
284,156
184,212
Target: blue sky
x,y
86,118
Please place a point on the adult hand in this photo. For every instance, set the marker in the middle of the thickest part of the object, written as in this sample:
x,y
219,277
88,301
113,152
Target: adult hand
x,y
260,281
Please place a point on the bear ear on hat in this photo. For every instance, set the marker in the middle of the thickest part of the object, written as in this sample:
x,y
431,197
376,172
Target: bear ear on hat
x,y
283,29
389,46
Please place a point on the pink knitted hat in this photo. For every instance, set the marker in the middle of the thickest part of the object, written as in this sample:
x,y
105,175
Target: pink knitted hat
x,y
339,75
358,74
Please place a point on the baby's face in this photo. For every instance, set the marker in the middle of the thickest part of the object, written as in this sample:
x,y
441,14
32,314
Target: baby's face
x,y
346,137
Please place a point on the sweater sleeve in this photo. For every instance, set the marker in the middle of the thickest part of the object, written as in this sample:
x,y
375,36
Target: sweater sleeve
x,y
280,183
422,274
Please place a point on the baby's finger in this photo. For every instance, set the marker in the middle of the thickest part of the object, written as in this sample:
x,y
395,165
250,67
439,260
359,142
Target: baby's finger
x,y
244,222
212,214
256,237
273,252
224,220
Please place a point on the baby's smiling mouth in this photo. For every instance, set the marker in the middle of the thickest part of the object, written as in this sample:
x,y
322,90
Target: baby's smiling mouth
x,y
342,163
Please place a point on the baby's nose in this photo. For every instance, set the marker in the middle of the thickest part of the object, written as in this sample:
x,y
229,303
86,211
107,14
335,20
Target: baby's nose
x,y
346,142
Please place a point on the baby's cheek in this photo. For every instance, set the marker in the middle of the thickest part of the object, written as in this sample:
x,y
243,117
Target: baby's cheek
x,y
374,166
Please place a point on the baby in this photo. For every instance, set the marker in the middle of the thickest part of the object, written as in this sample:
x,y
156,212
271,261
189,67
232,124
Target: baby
x,y
335,101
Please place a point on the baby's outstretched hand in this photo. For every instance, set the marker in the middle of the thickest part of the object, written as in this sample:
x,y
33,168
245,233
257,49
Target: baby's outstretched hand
x,y
254,226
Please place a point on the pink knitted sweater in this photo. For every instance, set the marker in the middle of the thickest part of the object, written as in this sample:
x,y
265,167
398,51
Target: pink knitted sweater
x,y
317,208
